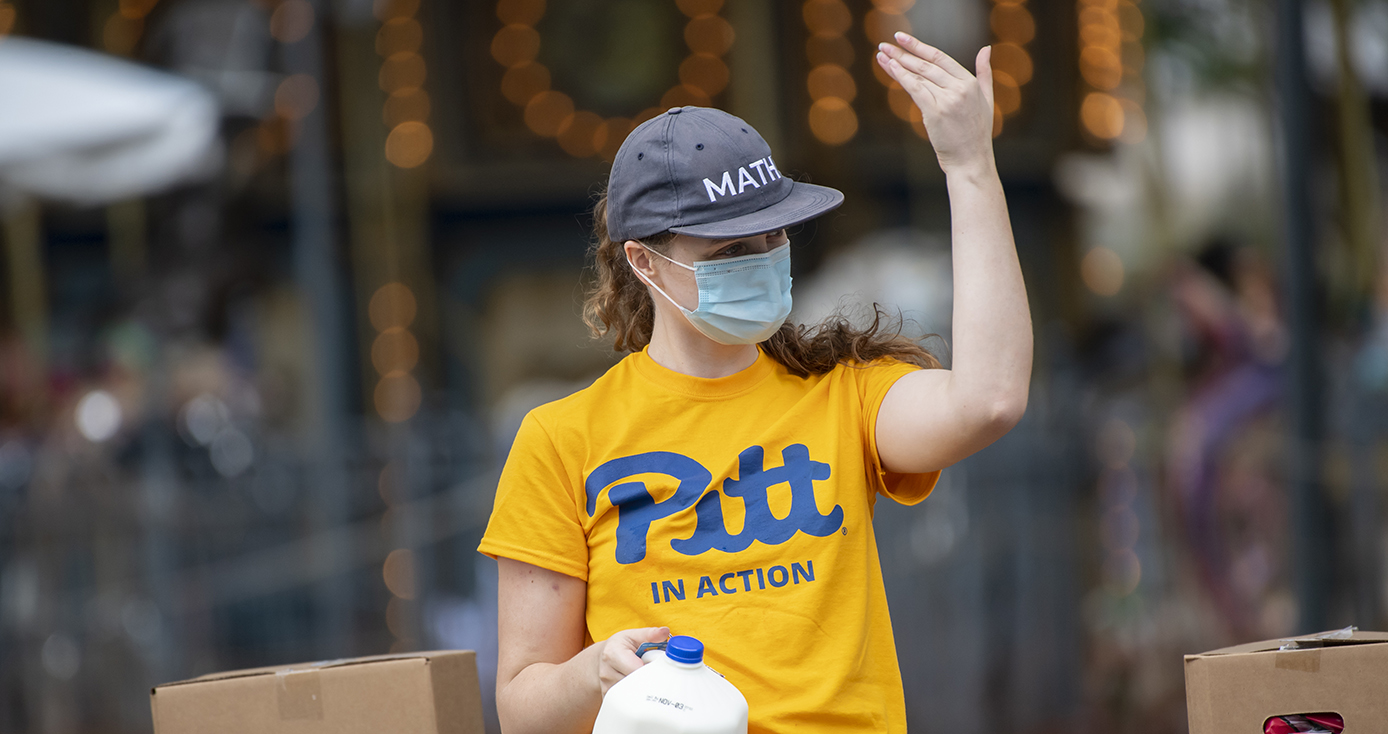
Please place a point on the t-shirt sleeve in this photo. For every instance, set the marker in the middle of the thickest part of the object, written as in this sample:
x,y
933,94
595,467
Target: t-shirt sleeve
x,y
535,518
873,383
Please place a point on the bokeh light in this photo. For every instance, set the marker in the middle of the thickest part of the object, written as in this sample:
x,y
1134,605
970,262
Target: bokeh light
x,y
833,121
231,452
291,21
1102,115
1014,60
7,17
827,17
395,351
546,111
98,416
709,34
520,12
1101,68
514,45
831,80
202,418
409,144
704,71
1012,24
578,134
1102,271
296,96
393,305
402,71
397,397
1130,20
406,105
399,35
521,83
399,573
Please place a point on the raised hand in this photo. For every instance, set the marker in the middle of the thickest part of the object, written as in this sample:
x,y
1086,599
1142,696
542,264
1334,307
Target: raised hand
x,y
957,107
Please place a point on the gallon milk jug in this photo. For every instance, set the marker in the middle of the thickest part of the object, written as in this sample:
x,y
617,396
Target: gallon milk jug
x,y
673,693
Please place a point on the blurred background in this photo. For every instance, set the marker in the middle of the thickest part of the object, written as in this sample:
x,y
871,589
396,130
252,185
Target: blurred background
x,y
281,277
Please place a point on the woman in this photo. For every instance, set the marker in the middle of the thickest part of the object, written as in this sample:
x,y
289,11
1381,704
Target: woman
x,y
719,481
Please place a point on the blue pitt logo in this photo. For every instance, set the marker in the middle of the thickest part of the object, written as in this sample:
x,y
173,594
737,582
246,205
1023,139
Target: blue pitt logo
x,y
637,509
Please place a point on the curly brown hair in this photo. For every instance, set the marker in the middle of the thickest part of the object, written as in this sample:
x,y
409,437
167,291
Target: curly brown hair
x,y
619,305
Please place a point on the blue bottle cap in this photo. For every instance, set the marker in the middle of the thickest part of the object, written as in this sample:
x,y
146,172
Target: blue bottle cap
x,y
685,649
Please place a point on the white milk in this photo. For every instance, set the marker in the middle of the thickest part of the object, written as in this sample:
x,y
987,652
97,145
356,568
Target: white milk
x,y
673,693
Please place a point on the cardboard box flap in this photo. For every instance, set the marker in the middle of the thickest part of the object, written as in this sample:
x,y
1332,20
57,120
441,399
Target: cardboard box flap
x,y
411,693
320,665
1323,639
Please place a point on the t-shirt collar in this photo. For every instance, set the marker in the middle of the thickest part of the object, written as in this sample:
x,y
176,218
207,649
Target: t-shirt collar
x,y
704,387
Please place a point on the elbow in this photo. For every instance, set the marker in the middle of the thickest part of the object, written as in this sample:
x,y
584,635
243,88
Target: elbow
x,y
1006,411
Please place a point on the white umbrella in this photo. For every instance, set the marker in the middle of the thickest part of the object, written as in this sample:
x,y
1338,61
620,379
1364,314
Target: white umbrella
x,y
91,129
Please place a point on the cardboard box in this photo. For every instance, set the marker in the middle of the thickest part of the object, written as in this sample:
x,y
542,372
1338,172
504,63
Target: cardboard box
x,y
1236,689
414,693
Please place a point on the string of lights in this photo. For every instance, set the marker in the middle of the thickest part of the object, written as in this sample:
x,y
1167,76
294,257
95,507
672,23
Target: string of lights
x,y
881,25
395,352
1111,60
830,84
551,113
1013,28
403,71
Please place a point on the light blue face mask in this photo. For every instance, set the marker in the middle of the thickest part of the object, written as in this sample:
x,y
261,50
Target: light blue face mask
x,y
742,300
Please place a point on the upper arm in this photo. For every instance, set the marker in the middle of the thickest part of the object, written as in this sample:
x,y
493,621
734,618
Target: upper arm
x,y
924,426
540,617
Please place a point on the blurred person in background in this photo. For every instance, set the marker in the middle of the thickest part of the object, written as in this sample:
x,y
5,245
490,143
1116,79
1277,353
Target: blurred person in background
x,y
606,532
1225,446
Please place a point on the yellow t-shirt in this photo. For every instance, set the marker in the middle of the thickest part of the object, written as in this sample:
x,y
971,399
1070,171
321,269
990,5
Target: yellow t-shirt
x,y
737,510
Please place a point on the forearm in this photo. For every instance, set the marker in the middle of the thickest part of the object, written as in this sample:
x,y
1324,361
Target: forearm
x,y
553,698
991,366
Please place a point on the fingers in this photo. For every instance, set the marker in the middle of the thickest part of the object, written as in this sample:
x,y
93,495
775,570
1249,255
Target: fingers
x,y
622,661
915,65
619,659
649,634
984,64
933,55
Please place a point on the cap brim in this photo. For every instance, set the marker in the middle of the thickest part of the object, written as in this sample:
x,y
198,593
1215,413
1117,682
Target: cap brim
x,y
806,201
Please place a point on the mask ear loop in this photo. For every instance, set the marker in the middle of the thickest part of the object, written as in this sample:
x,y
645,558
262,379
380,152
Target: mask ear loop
x,y
658,289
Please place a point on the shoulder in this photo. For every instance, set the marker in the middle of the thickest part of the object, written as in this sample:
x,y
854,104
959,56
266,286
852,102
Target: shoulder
x,y
579,405
878,369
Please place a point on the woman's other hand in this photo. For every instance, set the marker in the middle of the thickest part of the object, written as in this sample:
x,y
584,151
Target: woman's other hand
x,y
956,106
618,659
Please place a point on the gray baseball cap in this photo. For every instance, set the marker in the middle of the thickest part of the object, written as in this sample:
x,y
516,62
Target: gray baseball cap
x,y
705,173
